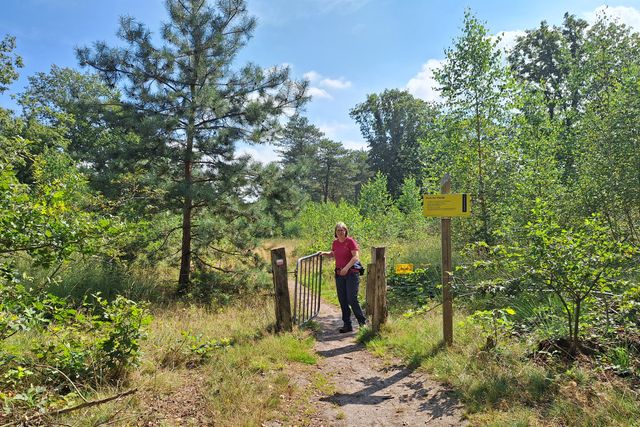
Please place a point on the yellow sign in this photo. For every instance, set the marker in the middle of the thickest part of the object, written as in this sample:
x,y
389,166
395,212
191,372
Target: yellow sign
x,y
446,205
404,268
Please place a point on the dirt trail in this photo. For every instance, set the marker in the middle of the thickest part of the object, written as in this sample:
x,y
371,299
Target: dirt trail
x,y
369,392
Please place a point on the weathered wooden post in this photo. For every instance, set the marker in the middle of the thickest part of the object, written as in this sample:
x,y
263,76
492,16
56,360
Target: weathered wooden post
x,y
370,290
380,289
280,281
447,303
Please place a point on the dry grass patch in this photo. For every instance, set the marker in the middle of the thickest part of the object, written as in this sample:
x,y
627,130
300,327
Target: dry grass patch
x,y
247,381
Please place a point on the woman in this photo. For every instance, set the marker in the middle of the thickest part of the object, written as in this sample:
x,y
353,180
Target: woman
x,y
345,250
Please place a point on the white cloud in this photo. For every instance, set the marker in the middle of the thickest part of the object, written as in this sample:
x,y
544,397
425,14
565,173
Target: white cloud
x,y
508,39
312,76
627,15
355,145
261,153
343,7
340,83
423,85
331,130
317,92
327,82
323,84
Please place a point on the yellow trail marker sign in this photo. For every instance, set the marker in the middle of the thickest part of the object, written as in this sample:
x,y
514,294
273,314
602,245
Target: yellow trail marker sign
x,y
446,205
404,268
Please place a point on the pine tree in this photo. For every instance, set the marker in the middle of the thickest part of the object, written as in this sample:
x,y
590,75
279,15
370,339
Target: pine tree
x,y
199,104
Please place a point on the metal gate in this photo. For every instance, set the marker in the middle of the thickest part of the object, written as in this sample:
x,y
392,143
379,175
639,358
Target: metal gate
x,y
306,294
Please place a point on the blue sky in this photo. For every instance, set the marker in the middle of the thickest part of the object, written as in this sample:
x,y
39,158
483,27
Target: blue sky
x,y
346,48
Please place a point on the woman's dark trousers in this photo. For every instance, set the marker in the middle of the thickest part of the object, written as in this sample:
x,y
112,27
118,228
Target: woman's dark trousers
x,y
347,288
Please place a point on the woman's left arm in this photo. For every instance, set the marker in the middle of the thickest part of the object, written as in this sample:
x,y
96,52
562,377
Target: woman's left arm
x,y
355,256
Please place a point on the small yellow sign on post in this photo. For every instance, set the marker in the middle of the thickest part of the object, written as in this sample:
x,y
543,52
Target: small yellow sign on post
x,y
446,205
404,268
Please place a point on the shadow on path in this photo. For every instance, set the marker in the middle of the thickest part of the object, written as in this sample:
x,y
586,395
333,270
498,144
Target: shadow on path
x,y
340,350
373,395
442,403
365,396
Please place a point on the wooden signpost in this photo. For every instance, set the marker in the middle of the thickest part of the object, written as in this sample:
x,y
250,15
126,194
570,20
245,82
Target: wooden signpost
x,y
445,206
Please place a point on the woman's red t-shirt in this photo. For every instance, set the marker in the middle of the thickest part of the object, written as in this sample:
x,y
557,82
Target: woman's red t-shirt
x,y
342,251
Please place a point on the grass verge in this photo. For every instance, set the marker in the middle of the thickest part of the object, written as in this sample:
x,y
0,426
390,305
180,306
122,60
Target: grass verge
x,y
505,385
206,367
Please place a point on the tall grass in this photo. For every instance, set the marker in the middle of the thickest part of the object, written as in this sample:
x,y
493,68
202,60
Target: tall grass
x,y
504,385
83,278
247,382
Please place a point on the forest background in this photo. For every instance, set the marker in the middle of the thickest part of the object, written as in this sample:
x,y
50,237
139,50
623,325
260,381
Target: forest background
x,y
122,194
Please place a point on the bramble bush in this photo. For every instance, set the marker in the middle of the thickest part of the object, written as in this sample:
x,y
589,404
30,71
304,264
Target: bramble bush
x,y
50,349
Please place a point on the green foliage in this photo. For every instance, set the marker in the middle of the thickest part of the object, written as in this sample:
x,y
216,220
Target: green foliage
x,y
194,159
375,200
9,62
50,348
81,278
475,86
194,350
573,263
409,201
408,291
377,205
494,323
50,219
322,169
608,163
317,220
393,123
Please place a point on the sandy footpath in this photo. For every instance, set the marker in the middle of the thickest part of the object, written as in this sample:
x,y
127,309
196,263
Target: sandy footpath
x,y
370,392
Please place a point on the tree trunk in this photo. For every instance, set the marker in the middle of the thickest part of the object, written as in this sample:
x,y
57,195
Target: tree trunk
x,y
575,340
184,279
326,184
484,213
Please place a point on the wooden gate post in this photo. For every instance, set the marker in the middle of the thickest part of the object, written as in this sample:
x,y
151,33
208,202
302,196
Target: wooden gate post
x,y
447,303
370,289
280,281
380,289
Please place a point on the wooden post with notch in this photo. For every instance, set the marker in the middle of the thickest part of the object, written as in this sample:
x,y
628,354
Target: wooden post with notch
x,y
379,314
447,303
281,284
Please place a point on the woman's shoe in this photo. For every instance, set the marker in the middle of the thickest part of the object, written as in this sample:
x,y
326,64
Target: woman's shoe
x,y
345,329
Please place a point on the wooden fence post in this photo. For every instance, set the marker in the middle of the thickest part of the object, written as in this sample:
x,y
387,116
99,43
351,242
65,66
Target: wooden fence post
x,y
380,289
281,283
370,289
447,303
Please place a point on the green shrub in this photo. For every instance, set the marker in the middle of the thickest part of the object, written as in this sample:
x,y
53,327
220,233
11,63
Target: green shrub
x,y
60,348
412,290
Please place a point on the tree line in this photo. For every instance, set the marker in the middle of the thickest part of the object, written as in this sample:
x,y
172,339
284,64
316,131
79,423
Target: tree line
x,y
147,138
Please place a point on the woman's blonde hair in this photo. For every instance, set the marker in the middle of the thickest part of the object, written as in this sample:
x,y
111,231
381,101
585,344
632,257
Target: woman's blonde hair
x,y
340,225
